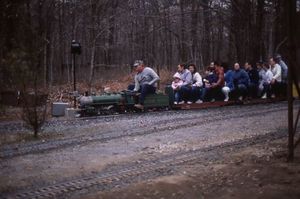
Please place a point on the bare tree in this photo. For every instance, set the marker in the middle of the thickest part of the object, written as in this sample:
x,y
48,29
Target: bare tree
x,y
164,33
34,107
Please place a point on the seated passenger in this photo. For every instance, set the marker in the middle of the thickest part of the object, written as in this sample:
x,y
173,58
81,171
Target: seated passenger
x,y
210,76
145,81
265,78
241,81
196,86
253,75
177,82
284,74
284,68
214,91
276,80
261,75
185,88
228,83
209,79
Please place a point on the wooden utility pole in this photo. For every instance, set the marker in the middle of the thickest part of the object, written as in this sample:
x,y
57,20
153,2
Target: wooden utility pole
x,y
293,74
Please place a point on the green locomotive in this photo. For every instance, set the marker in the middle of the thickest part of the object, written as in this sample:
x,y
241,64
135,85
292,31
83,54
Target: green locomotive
x,y
111,103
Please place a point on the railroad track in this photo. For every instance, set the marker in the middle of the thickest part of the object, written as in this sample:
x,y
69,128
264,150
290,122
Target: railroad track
x,y
127,174
164,125
65,124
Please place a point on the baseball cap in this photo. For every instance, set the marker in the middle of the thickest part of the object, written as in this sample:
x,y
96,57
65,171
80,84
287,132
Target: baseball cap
x,y
137,63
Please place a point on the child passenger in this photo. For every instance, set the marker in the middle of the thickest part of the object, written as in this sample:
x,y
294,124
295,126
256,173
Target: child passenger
x,y
177,82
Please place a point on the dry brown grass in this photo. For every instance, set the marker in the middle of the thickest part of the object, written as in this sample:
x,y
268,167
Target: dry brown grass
x,y
166,77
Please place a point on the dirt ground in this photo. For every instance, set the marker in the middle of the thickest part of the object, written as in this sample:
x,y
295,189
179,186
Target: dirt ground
x,y
243,171
259,171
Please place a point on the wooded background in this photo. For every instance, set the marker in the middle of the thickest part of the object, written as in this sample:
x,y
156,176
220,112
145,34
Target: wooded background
x,y
36,35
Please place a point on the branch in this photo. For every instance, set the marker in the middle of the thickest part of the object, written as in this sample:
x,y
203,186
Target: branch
x,y
280,44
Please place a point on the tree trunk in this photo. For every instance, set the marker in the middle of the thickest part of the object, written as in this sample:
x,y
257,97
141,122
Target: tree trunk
x,y
45,65
92,65
111,33
194,27
258,48
206,41
61,45
182,44
51,63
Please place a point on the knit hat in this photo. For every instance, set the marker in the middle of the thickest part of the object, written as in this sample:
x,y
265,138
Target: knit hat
x,y
177,75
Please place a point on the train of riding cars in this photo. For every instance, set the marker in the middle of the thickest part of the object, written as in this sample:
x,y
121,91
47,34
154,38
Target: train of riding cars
x,y
123,102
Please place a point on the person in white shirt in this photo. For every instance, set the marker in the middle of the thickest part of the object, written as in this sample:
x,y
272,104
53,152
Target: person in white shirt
x,y
284,74
196,85
277,78
185,88
265,78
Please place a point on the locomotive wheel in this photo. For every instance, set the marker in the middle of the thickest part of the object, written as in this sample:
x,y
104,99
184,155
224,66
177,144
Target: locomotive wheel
x,y
110,110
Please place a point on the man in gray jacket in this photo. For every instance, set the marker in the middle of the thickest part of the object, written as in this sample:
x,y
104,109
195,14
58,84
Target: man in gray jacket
x,y
145,81
284,68
284,75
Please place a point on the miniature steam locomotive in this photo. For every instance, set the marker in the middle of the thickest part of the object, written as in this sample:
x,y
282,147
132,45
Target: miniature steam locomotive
x,y
122,102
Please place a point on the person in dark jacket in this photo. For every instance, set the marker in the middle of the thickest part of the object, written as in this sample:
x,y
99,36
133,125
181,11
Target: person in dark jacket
x,y
209,79
241,81
210,76
254,79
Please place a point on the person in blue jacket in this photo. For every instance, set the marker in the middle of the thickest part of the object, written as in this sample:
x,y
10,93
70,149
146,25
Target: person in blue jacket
x,y
241,81
254,79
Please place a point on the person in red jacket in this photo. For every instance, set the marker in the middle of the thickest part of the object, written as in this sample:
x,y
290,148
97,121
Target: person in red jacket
x,y
214,92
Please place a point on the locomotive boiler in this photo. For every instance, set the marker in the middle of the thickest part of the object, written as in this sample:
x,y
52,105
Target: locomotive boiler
x,y
121,102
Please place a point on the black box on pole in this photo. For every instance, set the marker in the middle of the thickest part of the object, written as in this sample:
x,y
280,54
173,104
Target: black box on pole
x,y
75,49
